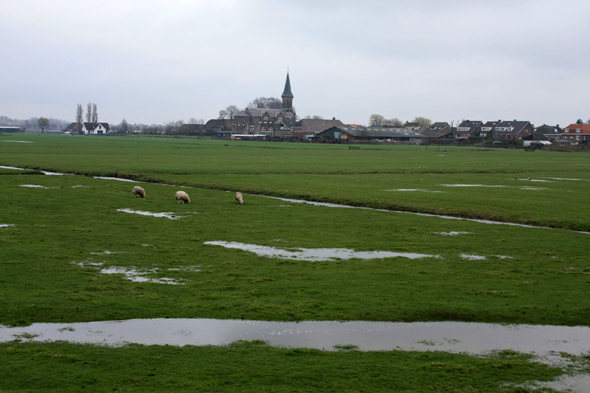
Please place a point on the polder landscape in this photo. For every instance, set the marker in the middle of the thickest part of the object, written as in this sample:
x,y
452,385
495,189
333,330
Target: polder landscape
x,y
60,234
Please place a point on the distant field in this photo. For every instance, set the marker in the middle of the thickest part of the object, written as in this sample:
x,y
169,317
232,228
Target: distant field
x,y
412,178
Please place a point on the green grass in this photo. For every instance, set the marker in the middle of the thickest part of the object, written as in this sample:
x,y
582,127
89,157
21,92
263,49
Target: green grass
x,y
255,367
544,281
60,228
334,173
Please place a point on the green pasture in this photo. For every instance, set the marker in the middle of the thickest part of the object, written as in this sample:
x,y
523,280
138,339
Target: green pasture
x,y
254,367
372,176
64,227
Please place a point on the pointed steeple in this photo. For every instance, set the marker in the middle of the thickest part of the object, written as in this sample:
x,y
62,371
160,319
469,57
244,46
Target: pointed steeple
x,y
287,95
287,92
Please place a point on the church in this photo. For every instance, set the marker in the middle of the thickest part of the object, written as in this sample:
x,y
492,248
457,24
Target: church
x,y
256,121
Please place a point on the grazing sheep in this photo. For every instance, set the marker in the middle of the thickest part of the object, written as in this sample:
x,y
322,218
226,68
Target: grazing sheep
x,y
137,190
239,198
182,196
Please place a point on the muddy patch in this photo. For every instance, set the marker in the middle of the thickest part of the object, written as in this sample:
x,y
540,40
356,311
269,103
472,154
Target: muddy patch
x,y
316,254
168,215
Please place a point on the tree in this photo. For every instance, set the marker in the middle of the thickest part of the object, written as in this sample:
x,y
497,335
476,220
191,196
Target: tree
x,y
376,120
266,103
79,114
94,114
42,123
124,126
229,112
422,121
395,122
580,121
88,112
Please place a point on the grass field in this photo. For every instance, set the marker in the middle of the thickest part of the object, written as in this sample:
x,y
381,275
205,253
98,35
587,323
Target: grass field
x,y
487,273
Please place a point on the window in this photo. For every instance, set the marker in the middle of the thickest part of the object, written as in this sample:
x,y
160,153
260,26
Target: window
x,y
263,128
251,128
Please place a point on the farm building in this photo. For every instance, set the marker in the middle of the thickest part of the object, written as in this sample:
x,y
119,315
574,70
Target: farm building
x,y
340,134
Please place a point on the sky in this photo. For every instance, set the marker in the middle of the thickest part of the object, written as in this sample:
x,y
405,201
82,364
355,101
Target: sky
x,y
153,62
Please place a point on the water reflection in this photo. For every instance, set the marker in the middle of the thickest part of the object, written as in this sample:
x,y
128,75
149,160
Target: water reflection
x,y
455,337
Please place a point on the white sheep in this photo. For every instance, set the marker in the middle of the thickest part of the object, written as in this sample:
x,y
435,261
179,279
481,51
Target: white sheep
x,y
137,190
182,196
239,198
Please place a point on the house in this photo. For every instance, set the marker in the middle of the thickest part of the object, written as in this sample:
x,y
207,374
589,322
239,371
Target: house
x,y
576,133
95,128
88,128
263,121
488,128
307,128
512,130
468,128
438,132
546,133
344,134
74,128
415,127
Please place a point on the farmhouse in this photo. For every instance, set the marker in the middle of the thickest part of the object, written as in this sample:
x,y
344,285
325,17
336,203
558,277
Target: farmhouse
x,y
512,130
468,128
88,128
576,133
341,134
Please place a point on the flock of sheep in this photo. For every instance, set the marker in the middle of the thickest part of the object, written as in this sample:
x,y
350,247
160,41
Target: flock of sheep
x,y
181,195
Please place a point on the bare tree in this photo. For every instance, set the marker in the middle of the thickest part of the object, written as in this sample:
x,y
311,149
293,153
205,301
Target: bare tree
x,y
94,114
229,112
42,123
79,114
395,122
266,103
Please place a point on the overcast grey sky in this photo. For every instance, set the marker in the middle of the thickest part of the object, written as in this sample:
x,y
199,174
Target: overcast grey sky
x,y
157,61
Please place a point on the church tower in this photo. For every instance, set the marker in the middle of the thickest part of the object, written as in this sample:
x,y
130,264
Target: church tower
x,y
287,96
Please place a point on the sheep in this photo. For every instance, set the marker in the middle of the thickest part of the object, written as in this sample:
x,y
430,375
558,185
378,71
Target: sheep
x,y
239,198
182,196
137,190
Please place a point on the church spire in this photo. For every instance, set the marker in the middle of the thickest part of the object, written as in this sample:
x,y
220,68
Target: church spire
x,y
287,95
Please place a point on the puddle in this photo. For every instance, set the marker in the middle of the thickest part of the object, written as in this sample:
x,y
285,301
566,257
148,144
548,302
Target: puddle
x,y
316,254
18,141
538,180
452,233
534,188
134,274
472,185
566,178
35,186
546,342
168,215
79,186
116,178
11,167
414,189
473,257
105,252
6,225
